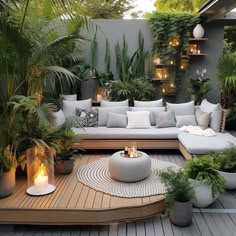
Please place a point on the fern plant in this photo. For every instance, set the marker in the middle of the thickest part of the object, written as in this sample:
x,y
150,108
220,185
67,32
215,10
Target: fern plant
x,y
204,170
178,187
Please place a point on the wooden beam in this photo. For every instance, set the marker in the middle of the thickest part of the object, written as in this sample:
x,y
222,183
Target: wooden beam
x,y
185,152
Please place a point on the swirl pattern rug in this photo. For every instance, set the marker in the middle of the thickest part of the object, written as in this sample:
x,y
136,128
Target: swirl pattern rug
x,y
96,175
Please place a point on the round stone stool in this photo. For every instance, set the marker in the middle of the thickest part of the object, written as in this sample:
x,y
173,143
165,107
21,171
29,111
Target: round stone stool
x,y
129,169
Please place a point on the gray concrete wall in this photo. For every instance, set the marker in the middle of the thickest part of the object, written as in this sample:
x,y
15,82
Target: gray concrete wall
x,y
114,30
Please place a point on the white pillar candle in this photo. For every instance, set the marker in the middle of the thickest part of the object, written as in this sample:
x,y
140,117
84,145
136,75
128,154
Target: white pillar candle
x,y
99,97
40,183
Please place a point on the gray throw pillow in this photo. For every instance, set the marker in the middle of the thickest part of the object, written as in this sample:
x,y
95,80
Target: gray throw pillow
x,y
216,113
116,120
103,113
156,103
165,119
185,120
181,108
114,104
152,111
202,118
87,118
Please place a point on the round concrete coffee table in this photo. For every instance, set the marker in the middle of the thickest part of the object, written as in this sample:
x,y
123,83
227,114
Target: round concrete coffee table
x,y
129,169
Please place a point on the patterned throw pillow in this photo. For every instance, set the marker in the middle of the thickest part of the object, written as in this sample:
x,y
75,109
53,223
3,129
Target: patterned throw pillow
x,y
87,118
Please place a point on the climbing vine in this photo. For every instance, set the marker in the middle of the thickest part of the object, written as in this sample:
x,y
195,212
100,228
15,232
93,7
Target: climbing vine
x,y
171,33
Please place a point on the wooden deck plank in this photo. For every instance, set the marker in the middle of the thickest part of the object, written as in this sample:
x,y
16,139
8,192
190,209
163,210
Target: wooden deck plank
x,y
158,226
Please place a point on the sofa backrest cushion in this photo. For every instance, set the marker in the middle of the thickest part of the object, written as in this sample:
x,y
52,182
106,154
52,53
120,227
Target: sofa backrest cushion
x,y
116,120
185,120
103,113
216,113
152,110
165,119
70,106
156,103
138,120
59,118
114,104
181,108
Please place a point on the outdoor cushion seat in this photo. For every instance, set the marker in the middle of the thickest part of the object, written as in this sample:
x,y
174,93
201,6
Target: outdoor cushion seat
x,y
103,132
202,145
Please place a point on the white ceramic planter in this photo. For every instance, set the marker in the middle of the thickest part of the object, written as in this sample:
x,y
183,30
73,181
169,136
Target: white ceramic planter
x,y
203,194
72,97
230,179
198,31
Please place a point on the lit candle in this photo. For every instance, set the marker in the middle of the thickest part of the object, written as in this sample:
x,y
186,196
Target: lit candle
x,y
131,154
40,183
99,97
41,179
172,85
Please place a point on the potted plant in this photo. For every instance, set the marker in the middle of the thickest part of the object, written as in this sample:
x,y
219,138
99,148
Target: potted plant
x,y
7,172
64,163
205,179
199,85
226,162
179,196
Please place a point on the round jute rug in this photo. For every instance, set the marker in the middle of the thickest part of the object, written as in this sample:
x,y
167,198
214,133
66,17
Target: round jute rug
x,y
96,175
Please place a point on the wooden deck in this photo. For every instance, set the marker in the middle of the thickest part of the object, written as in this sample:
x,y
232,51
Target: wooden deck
x,y
74,203
218,220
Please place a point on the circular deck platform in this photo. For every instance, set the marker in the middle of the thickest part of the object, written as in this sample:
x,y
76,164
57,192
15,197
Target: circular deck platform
x,y
74,203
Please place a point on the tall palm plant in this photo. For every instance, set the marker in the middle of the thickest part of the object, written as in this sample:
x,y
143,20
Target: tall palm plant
x,y
226,75
32,53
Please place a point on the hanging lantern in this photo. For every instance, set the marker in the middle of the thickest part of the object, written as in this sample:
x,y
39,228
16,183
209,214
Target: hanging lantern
x,y
40,171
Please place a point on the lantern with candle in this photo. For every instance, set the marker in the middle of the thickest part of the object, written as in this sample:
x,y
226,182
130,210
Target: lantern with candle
x,y
40,171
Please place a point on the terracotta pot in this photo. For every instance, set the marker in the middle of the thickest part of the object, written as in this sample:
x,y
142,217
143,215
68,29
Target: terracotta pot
x,y
181,213
64,167
7,183
230,179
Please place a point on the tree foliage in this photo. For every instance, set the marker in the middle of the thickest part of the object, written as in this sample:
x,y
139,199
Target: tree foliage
x,y
103,9
179,5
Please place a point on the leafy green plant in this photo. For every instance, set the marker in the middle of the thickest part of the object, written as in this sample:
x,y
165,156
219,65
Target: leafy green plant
x,y
200,85
204,170
178,187
65,143
226,160
226,75
7,160
168,26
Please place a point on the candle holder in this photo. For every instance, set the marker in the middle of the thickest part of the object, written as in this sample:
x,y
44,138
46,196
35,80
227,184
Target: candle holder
x,y
40,171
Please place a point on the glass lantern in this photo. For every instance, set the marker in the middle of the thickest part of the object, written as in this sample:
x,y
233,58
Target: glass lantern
x,y
40,171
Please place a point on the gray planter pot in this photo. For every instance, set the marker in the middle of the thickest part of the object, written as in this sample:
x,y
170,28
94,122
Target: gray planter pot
x,y
230,179
7,183
88,89
181,213
64,167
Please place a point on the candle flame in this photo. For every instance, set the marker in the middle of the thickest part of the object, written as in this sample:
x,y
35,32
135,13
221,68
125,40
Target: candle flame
x,y
42,171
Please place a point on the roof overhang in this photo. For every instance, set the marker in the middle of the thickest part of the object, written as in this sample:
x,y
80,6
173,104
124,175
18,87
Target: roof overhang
x,y
215,9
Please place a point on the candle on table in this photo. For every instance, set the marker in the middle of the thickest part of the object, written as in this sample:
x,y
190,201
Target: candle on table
x,y
41,179
99,97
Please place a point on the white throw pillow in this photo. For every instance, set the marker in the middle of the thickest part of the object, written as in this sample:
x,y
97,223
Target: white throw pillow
x,y
114,104
138,120
70,106
185,120
156,103
216,113
59,118
152,110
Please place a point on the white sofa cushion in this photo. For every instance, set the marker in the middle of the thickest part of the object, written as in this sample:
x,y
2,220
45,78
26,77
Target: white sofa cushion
x,y
152,110
70,106
116,120
59,118
216,113
156,103
103,132
138,120
181,108
202,145
114,104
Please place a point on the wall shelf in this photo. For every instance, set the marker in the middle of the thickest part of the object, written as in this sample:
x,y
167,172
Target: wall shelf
x,y
198,39
201,54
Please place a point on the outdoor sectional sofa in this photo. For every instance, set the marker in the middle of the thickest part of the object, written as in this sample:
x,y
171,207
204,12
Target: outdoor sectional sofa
x,y
103,137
